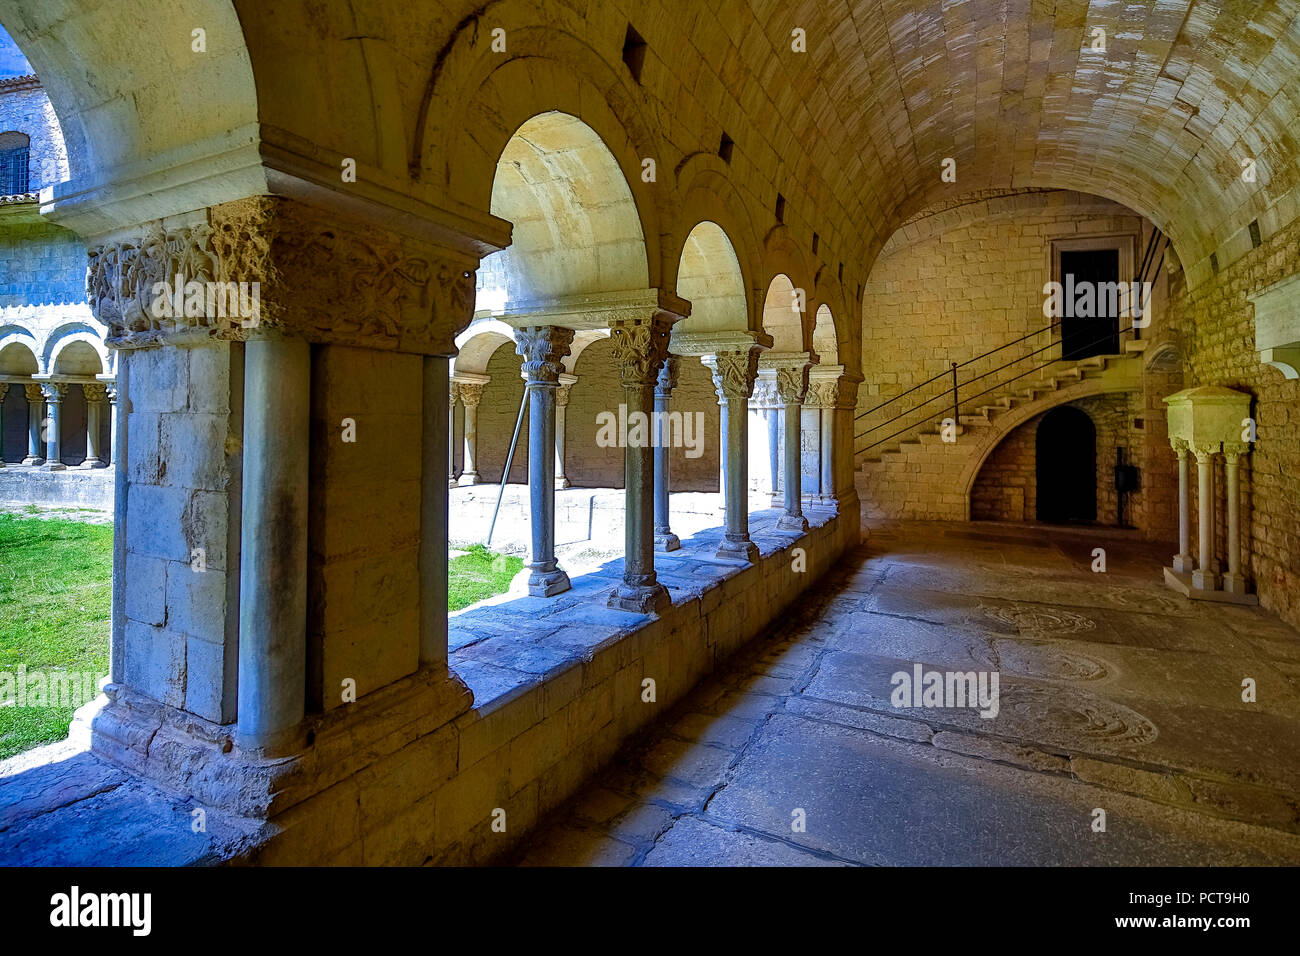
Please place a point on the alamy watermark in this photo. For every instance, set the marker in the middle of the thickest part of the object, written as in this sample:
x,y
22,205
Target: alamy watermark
x,y
656,430
55,688
1095,300
213,300
951,689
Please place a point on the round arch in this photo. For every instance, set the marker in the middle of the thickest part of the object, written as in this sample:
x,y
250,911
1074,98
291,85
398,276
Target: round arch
x,y
65,335
711,278
782,317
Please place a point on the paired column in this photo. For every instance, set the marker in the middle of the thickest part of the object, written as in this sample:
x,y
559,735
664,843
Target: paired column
x,y
791,384
35,414
828,399
640,347
733,377
567,382
111,394
543,349
4,393
1183,563
1206,575
53,393
1234,582
96,396
471,394
711,363
453,393
665,540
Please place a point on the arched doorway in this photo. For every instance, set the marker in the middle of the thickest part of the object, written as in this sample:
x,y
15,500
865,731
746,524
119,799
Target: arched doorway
x,y
1066,466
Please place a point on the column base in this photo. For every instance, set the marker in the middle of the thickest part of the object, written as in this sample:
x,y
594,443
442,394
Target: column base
x,y
93,463
1183,583
744,550
1234,583
542,583
667,542
469,478
31,461
561,483
640,598
1205,580
54,466
452,483
1184,564
792,523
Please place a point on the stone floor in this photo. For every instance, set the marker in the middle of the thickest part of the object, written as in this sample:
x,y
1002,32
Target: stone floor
x,y
1115,694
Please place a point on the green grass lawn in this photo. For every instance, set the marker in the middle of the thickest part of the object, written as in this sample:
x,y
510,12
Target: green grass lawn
x,y
55,594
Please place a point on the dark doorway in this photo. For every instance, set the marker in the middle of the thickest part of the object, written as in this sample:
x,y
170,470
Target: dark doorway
x,y
1066,466
1096,331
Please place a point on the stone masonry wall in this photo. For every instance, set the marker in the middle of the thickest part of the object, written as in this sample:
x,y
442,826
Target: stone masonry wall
x,y
29,111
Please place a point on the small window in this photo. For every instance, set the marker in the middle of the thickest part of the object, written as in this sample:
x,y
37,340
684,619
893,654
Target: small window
x,y
634,52
725,148
780,208
14,162
1256,240
817,241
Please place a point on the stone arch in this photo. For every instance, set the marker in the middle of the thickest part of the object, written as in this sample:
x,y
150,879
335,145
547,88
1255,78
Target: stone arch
x,y
783,259
824,339
475,101
478,343
706,194
18,349
577,230
65,335
118,84
781,318
710,276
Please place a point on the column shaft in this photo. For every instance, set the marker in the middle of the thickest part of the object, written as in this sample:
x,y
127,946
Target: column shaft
x,y
734,380
827,454
1206,575
561,410
273,556
53,392
1183,559
665,540
35,413
791,384
452,391
1233,581
433,516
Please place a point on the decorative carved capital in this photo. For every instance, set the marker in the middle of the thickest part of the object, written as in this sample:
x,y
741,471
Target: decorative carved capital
x,y
543,348
453,392
1205,451
734,374
668,376
640,347
53,392
791,383
764,395
562,396
1179,446
269,265
94,392
110,392
471,393
1233,450
33,393
823,394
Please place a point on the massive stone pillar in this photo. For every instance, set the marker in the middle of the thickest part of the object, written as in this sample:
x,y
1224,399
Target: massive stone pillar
x,y
96,396
665,540
1183,563
273,560
471,394
35,414
543,347
453,393
562,393
1206,575
640,347
53,393
791,385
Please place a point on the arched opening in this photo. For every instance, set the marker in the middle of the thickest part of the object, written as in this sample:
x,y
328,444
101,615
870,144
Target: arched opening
x,y
710,278
825,343
1065,450
783,311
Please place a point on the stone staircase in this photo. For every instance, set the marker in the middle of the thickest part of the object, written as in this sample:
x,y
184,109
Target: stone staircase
x,y
917,474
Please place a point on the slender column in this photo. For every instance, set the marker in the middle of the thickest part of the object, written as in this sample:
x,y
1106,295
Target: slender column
x,y
4,393
711,363
543,348
791,384
734,380
35,413
471,393
95,397
1183,559
640,347
1206,575
453,392
433,516
830,396
273,554
665,540
1234,582
111,392
561,407
53,392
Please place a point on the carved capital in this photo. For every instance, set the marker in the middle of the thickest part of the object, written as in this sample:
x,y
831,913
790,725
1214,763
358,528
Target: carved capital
x,y
640,347
471,393
668,376
53,392
33,393
562,396
1205,451
95,392
1233,450
823,394
543,348
764,395
110,392
272,266
1179,446
734,374
791,383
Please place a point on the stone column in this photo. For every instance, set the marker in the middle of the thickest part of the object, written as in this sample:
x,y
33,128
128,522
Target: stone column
x,y
791,384
766,439
35,414
734,381
711,363
453,393
561,407
432,565
471,393
4,393
640,347
1206,575
1183,559
543,348
1234,582
830,397
110,392
273,558
665,540
95,398
53,392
